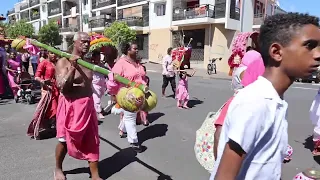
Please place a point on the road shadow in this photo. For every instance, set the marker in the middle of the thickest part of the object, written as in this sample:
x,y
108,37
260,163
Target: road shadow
x,y
308,144
5,101
154,116
171,96
194,102
124,157
153,131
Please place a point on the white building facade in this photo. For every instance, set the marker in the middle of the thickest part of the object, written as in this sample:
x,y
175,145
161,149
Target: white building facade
x,y
212,24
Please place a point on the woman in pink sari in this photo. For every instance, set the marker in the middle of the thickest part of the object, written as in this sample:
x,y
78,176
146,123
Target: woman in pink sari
x,y
44,118
13,65
128,66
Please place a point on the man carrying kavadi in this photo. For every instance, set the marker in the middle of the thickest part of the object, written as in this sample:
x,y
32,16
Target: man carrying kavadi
x,y
77,124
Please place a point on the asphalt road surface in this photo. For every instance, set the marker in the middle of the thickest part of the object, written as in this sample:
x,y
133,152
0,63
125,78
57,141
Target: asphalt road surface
x,y
169,139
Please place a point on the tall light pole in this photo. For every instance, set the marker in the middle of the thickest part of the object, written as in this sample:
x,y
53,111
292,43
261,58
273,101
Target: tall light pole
x,y
242,15
80,11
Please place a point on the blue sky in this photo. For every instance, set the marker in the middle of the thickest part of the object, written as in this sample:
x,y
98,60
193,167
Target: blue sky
x,y
310,6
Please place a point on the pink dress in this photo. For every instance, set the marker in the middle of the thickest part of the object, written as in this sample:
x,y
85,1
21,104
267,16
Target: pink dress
x,y
182,90
99,88
126,69
11,76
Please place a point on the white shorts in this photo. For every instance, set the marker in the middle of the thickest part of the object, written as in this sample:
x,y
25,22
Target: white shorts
x,y
62,139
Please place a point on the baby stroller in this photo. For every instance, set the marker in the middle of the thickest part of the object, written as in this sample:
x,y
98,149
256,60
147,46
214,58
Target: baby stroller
x,y
24,81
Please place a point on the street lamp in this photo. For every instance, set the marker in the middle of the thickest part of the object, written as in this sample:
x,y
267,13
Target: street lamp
x,y
242,15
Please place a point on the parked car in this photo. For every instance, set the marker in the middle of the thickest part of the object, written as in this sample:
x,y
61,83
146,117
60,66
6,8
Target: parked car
x,y
314,77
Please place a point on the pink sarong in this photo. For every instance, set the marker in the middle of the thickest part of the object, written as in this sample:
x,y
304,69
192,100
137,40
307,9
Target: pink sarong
x,y
77,123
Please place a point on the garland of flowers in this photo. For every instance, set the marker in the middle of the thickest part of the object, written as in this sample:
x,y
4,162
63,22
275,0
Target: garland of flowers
x,y
98,41
239,48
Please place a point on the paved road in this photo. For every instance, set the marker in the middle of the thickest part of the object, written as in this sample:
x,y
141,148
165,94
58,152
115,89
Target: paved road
x,y
169,140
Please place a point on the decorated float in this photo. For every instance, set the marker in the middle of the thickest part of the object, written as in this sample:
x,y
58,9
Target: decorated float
x,y
239,46
106,47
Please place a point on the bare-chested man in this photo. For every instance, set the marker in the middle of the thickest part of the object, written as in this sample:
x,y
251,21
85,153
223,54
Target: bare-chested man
x,y
77,124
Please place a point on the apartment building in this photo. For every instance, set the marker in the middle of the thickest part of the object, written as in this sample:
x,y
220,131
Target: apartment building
x,y
212,24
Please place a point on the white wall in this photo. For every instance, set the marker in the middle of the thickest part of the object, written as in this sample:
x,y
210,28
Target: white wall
x,y
44,12
248,14
160,22
36,26
211,2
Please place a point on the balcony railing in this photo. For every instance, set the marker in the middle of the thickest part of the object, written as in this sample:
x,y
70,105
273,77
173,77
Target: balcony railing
x,y
35,16
126,2
235,13
258,19
12,11
25,15
70,28
34,2
24,6
100,21
133,21
199,12
54,7
67,11
102,3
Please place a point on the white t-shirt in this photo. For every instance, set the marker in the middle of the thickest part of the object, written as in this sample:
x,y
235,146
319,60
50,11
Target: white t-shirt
x,y
256,120
236,80
167,66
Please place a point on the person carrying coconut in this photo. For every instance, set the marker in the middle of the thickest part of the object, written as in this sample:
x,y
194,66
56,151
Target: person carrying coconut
x,y
129,66
76,117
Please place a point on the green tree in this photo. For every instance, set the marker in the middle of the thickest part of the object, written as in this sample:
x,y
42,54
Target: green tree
x,y
20,28
49,34
119,32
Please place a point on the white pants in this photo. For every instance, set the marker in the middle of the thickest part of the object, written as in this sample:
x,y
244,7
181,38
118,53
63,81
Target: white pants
x,y
128,124
98,92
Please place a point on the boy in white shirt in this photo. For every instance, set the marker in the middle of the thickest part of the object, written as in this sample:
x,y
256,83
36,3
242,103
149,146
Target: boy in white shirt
x,y
254,139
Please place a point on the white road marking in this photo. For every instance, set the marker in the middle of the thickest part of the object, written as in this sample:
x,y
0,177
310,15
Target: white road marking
x,y
315,89
152,71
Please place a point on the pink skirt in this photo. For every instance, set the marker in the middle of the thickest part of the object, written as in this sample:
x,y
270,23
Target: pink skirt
x,y
182,93
77,122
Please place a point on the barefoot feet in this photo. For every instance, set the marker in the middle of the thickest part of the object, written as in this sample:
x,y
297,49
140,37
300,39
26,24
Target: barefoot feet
x,y
58,174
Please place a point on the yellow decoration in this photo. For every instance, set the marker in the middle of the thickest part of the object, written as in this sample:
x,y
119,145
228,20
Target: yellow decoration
x,y
99,40
131,99
150,102
18,44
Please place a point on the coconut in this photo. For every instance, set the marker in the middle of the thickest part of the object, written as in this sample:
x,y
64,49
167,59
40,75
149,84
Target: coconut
x,y
150,102
18,44
131,99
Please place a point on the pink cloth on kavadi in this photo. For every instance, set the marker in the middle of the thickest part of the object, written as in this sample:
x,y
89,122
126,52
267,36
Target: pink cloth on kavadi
x,y
77,122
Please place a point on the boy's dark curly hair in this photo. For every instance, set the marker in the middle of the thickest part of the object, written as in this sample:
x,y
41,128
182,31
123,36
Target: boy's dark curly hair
x,y
281,28
125,47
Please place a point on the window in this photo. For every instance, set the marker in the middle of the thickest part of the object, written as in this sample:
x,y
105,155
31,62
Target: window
x,y
160,9
44,8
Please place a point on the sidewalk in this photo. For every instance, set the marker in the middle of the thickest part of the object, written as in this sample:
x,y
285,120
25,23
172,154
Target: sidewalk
x,y
201,72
